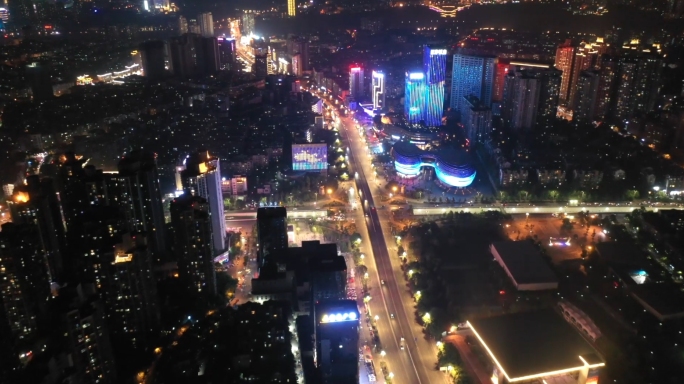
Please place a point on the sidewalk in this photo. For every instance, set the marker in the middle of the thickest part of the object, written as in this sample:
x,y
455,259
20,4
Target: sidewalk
x,y
474,368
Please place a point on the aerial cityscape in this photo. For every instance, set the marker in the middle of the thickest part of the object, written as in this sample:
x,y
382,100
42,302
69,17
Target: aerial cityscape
x,y
342,192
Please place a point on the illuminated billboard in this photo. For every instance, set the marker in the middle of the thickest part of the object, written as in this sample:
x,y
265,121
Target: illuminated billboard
x,y
309,157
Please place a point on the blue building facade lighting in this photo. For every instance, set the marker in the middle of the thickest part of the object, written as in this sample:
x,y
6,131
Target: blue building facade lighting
x,y
424,96
452,171
414,97
434,66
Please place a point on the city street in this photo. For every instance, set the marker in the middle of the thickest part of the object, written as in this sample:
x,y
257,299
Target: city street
x,y
416,363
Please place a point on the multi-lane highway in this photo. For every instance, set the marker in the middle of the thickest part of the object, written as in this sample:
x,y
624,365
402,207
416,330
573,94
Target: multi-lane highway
x,y
415,363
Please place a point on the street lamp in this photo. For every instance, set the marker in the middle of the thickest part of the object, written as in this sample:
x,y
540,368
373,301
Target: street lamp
x,y
427,319
383,353
410,272
391,375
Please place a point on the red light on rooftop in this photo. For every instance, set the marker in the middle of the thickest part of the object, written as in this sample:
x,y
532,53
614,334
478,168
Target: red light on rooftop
x,y
355,69
502,292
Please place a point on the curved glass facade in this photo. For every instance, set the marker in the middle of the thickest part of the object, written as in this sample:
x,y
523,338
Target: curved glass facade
x,y
455,175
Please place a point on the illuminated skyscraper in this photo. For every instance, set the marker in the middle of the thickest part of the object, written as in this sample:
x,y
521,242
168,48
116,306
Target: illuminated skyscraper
x,y
378,90
565,55
434,67
356,82
202,177
414,97
247,24
472,76
292,8
206,23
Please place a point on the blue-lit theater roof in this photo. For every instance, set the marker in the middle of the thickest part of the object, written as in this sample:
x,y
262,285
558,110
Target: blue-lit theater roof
x,y
452,166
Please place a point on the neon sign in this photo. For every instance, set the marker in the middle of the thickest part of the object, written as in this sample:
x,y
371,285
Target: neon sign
x,y
339,317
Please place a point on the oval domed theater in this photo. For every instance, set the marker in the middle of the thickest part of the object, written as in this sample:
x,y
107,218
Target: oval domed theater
x,y
451,166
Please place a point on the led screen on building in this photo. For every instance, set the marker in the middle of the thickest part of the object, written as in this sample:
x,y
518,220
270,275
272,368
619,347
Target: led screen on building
x,y
309,157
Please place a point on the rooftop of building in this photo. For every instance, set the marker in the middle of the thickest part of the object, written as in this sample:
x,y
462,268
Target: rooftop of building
x,y
271,212
534,344
524,262
448,155
664,301
326,309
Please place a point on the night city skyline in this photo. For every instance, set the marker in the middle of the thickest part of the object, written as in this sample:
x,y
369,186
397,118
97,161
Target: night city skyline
x,y
394,192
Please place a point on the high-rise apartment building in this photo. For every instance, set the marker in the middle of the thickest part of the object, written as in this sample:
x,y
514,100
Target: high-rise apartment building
x,y
530,95
153,63
292,8
36,204
191,223
194,55
140,200
500,73
130,294
378,89
565,56
573,60
89,343
476,118
182,25
24,280
202,177
356,83
298,45
638,83
247,24
336,341
604,96
206,24
227,53
521,100
434,67
193,27
472,76
548,93
271,231
624,93
414,97
587,90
